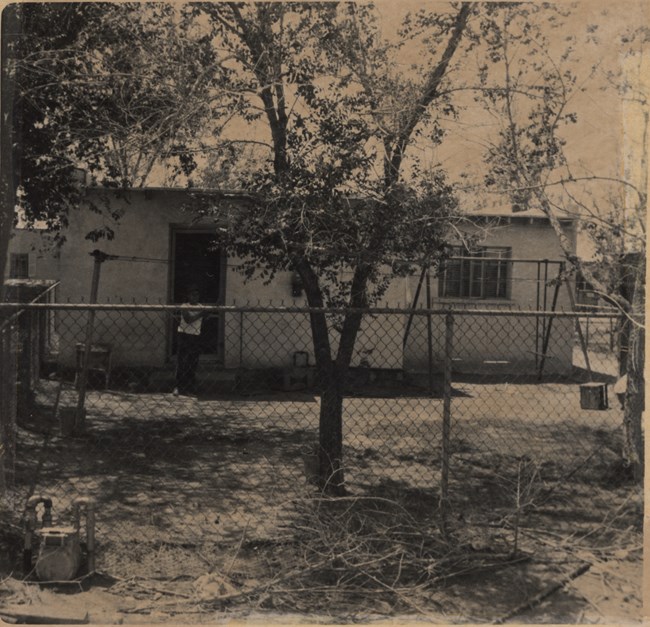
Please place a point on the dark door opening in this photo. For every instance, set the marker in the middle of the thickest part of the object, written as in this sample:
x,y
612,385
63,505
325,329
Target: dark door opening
x,y
197,262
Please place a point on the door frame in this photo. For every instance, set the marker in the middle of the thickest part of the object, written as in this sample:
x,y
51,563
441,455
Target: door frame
x,y
174,229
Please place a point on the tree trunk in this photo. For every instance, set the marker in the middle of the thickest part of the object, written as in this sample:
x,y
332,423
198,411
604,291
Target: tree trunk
x,y
330,429
332,373
633,448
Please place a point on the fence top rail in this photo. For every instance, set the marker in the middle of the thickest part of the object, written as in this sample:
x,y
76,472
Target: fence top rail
x,y
13,307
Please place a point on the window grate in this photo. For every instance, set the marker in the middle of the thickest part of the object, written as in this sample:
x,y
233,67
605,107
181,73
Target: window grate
x,y
480,273
19,266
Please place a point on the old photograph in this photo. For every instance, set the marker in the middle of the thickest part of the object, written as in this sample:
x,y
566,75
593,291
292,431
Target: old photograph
x,y
323,312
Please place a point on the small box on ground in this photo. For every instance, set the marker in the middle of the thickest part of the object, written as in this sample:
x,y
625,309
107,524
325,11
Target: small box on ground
x,y
593,396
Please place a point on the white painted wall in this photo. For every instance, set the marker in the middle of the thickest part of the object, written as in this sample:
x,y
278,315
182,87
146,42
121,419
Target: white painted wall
x,y
142,221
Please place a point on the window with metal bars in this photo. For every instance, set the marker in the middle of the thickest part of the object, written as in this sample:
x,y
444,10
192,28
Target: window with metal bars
x,y
483,272
19,266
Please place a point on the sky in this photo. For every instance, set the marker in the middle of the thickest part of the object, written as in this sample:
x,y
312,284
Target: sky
x,y
607,133
605,141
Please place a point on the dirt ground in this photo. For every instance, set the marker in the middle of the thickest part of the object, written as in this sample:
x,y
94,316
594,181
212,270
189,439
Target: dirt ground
x,y
204,513
609,592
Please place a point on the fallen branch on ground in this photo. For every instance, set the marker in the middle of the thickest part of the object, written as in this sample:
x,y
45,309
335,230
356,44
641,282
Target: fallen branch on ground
x,y
132,581
537,599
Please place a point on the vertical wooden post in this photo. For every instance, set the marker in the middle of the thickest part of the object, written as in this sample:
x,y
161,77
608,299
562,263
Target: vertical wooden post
x,y
446,421
80,415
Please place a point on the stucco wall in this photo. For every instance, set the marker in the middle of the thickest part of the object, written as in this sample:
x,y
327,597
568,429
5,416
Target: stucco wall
x,y
141,229
42,251
141,222
259,340
493,344
506,344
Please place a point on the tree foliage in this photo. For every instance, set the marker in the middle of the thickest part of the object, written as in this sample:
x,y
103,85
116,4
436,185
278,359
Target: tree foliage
x,y
333,205
529,163
331,128
113,89
333,123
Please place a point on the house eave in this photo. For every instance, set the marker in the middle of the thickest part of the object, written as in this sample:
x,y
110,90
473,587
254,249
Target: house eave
x,y
529,216
192,191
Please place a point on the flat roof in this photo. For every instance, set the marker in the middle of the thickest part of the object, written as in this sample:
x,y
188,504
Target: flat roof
x,y
495,211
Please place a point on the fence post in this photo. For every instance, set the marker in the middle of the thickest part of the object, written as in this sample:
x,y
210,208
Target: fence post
x,y
241,338
446,421
430,338
547,332
25,394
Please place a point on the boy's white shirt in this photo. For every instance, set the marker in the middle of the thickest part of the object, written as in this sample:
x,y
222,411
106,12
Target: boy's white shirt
x,y
191,328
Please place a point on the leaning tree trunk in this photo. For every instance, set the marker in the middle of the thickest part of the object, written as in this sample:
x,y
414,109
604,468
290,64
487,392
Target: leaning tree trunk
x,y
635,392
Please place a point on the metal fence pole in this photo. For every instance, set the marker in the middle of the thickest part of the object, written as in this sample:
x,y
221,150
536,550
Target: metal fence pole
x,y
25,367
539,278
241,338
547,334
429,338
446,420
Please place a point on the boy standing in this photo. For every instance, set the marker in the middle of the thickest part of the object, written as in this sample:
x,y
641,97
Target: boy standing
x,y
189,345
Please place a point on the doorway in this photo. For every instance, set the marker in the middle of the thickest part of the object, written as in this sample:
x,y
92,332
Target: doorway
x,y
197,262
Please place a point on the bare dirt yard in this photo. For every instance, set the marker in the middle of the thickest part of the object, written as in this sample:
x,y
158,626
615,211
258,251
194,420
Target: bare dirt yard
x,y
204,513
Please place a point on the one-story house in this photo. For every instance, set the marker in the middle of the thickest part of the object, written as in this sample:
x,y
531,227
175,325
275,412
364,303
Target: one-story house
x,y
161,247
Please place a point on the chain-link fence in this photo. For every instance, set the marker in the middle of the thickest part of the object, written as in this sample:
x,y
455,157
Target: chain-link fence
x,y
25,342
478,406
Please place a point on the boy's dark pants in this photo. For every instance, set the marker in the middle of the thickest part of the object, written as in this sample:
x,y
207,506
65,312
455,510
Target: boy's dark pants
x,y
189,349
